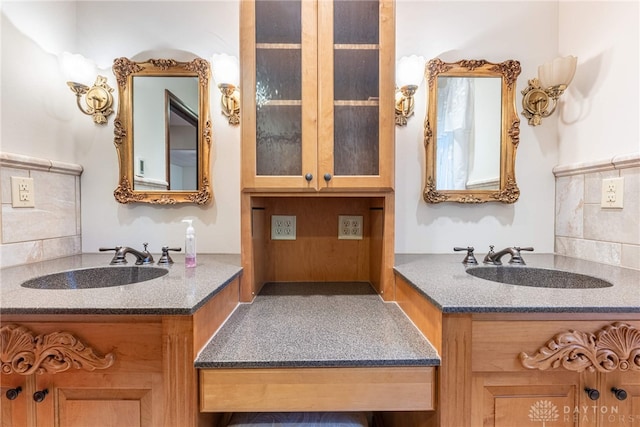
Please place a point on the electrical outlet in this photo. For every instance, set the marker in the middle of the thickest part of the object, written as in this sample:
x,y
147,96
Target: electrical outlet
x,y
612,193
350,227
22,195
283,227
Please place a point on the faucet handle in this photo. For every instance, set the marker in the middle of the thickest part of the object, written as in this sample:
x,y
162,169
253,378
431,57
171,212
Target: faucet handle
x,y
165,259
516,258
470,258
118,258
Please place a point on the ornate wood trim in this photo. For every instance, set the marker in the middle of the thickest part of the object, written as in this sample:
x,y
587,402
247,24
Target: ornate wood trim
x,y
614,347
23,352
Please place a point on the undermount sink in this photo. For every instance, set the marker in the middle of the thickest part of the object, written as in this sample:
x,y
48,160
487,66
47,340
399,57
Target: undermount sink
x,y
98,277
537,277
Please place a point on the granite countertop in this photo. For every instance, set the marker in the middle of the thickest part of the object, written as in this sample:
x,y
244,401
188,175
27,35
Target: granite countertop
x,y
442,280
317,325
181,291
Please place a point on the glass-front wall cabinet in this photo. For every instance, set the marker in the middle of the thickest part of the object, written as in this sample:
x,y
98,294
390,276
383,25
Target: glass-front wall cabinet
x,y
320,115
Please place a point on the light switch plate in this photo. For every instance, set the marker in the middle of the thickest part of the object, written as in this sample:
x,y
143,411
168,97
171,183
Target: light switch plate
x,y
22,195
283,227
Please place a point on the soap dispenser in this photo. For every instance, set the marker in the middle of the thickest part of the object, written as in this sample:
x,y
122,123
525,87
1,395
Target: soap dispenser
x,y
190,245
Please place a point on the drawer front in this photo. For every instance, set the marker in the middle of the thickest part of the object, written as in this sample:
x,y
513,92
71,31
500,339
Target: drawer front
x,y
317,389
497,345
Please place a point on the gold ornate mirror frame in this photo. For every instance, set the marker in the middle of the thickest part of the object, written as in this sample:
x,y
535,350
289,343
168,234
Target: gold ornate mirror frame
x,y
508,71
125,70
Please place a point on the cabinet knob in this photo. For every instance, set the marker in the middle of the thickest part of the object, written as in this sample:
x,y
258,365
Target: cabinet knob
x,y
592,393
327,177
39,395
308,177
12,393
619,393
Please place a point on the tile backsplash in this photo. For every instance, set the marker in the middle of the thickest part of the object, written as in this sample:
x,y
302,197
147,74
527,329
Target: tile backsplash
x,y
52,228
583,229
586,230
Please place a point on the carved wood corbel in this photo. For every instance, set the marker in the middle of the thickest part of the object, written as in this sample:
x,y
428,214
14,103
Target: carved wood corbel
x,y
614,347
23,352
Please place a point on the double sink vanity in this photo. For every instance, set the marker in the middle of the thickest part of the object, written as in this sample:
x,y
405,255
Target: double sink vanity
x,y
449,349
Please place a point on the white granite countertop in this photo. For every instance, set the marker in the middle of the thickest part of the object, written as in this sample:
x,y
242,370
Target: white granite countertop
x,y
317,325
181,291
442,279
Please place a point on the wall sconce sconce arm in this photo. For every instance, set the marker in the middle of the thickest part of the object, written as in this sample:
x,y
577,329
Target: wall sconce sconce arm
x,y
230,102
540,97
98,100
404,103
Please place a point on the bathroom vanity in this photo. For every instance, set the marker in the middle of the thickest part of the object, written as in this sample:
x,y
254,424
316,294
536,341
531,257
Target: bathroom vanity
x,y
180,350
122,355
516,355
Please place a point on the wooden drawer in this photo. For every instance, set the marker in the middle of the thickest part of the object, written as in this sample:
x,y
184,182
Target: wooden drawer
x,y
317,389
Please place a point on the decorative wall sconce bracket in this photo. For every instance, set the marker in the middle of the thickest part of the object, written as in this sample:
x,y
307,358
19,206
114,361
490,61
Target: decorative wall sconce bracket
x,y
404,103
230,102
97,99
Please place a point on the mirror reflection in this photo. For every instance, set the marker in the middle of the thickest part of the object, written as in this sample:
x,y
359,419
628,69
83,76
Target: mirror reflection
x,y
468,133
163,131
471,132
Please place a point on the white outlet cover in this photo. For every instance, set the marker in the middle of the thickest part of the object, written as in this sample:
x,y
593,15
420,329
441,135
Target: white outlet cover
x,y
283,227
350,227
612,193
22,195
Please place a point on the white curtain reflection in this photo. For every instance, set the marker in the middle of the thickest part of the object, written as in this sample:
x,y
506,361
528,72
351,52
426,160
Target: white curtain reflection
x,y
454,132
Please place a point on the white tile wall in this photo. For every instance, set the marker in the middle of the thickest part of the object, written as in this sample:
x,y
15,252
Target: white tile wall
x,y
49,230
586,230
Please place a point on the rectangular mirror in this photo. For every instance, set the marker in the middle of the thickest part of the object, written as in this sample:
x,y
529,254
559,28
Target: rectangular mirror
x,y
163,131
471,132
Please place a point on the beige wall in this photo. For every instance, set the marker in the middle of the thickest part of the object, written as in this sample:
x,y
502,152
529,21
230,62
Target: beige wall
x,y
40,119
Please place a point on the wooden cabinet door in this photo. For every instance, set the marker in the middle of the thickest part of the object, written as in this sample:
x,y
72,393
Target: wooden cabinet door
x,y
116,400
620,399
356,124
317,99
16,403
525,399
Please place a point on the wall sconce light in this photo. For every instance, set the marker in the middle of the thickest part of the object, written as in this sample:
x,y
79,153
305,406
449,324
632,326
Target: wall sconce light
x,y
226,73
409,76
541,96
98,99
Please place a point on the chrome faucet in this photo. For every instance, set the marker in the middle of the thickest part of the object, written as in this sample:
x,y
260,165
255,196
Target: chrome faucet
x,y
494,258
142,257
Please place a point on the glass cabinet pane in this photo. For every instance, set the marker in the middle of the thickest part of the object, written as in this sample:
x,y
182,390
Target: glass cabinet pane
x,y
278,58
355,74
278,21
278,74
356,84
356,140
279,140
355,22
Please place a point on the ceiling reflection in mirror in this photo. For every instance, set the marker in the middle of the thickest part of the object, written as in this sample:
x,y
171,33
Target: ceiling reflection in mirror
x,y
163,131
471,132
